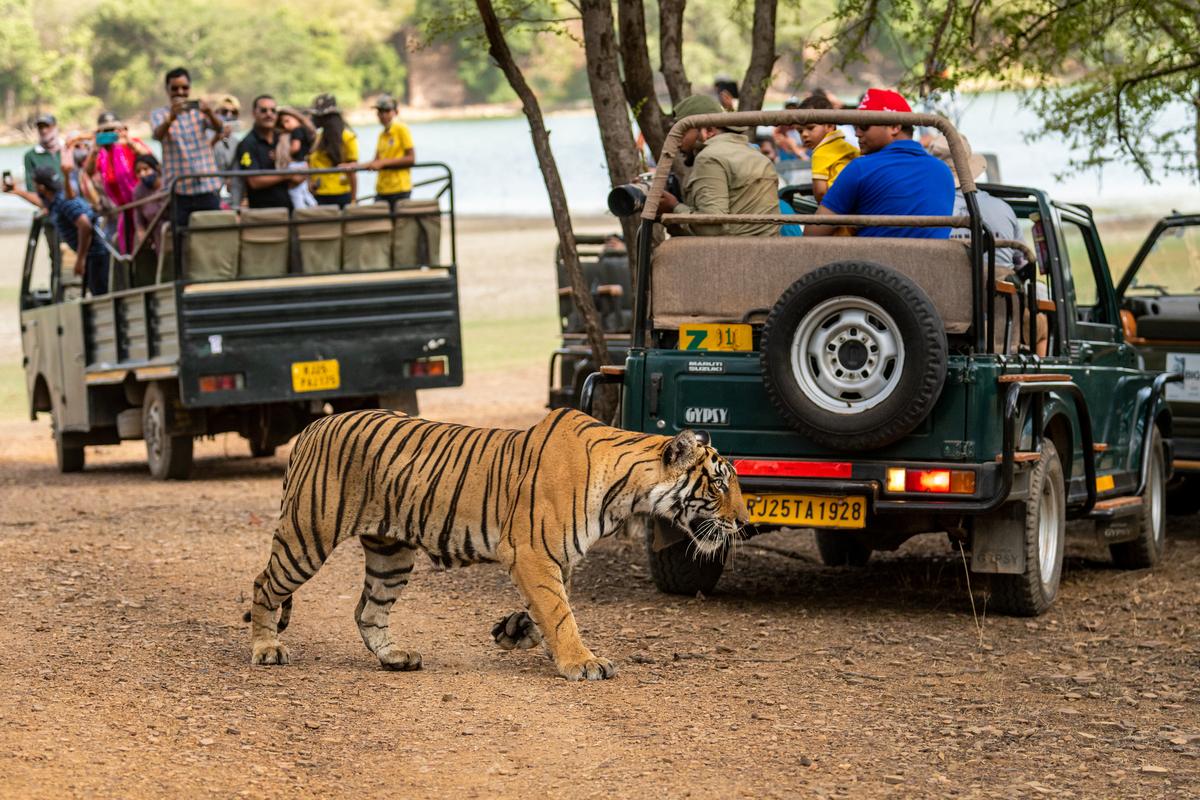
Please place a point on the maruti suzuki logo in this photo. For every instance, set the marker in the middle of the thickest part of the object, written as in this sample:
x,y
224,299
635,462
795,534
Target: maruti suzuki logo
x,y
706,416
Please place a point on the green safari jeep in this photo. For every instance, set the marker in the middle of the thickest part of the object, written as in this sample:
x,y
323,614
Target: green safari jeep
x,y
877,388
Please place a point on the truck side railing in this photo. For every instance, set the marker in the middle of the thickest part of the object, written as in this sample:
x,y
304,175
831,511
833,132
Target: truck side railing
x,y
983,296
120,276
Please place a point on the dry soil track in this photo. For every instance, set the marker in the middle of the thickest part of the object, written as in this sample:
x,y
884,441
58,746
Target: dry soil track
x,y
124,666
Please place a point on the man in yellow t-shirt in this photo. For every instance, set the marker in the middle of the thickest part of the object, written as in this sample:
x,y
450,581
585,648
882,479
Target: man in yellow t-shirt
x,y
336,146
830,150
394,155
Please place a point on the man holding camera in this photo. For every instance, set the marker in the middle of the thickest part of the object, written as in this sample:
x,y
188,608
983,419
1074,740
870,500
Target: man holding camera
x,y
184,128
728,176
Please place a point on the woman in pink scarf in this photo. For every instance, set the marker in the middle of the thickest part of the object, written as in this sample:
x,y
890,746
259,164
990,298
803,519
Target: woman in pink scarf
x,y
111,166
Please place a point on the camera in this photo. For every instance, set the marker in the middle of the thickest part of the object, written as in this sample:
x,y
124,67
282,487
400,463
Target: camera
x,y
629,198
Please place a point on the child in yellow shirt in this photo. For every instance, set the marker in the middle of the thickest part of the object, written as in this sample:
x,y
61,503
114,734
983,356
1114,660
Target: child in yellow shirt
x,y
830,150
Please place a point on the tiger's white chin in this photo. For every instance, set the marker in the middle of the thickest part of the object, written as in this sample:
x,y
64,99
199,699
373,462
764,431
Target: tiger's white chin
x,y
710,536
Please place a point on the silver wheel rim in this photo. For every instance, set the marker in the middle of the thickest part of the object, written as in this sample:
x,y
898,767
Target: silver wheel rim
x,y
153,432
847,355
1158,502
1049,532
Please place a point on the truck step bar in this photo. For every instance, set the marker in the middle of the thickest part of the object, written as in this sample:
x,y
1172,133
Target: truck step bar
x,y
1117,507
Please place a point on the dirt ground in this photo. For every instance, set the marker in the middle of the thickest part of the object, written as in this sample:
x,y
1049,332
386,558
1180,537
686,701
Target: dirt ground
x,y
124,664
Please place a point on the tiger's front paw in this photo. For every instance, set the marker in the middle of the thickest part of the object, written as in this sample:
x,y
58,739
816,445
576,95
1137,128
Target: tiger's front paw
x,y
270,653
592,669
517,631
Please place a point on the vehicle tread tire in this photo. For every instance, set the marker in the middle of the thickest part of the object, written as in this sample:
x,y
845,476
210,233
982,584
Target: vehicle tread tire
x,y
175,462
1146,550
1026,595
841,549
925,363
675,571
68,459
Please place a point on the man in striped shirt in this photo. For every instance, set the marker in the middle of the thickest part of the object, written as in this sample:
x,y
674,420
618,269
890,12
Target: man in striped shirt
x,y
185,128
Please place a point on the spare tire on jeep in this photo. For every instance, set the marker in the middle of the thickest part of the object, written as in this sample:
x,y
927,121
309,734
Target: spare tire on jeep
x,y
854,355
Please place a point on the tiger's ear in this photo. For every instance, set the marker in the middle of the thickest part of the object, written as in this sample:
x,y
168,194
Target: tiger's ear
x,y
685,449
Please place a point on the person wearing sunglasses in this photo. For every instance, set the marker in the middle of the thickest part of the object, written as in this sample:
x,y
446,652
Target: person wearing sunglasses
x,y
257,152
185,128
894,176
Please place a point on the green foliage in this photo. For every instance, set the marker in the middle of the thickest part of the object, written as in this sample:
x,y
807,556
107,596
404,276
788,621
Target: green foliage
x,y
118,50
1102,74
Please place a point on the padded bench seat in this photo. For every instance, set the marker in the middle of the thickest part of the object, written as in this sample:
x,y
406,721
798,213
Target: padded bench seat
x,y
699,279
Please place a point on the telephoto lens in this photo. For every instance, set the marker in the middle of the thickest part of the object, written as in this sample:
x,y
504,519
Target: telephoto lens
x,y
627,199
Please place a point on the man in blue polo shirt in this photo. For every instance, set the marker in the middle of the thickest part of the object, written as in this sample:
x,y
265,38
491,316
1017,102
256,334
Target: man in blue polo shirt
x,y
894,176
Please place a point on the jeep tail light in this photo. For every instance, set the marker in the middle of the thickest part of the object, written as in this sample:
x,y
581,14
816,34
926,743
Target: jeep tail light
x,y
222,383
931,481
424,367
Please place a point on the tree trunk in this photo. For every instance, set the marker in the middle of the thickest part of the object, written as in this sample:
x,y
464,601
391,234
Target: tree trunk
x,y
762,57
670,49
581,292
1196,131
608,98
639,75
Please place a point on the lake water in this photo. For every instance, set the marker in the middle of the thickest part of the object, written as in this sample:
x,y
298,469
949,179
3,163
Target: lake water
x,y
496,172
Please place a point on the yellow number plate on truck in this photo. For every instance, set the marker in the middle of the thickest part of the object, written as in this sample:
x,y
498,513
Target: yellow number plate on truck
x,y
807,511
716,337
315,376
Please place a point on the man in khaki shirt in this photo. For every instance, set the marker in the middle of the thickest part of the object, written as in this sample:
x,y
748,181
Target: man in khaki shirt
x,y
728,176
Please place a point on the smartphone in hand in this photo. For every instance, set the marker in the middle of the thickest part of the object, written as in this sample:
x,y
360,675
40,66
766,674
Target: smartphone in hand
x,y
192,105
9,184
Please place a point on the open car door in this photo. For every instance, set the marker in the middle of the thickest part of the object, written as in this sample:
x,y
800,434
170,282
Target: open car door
x,y
1160,308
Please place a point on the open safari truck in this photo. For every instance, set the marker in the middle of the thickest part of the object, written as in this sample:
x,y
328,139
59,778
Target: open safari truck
x,y
252,321
877,388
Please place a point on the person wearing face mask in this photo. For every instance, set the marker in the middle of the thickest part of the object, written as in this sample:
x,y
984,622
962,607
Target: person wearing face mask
x,y
146,217
728,176
47,152
110,166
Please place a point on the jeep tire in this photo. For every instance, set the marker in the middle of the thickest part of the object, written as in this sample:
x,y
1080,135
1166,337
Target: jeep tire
x,y
854,355
1033,591
169,456
675,570
68,457
1146,550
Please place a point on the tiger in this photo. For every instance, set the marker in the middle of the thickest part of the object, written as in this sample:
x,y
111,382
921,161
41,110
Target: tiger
x,y
534,501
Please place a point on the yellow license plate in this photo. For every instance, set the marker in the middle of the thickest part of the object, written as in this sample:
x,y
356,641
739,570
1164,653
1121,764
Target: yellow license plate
x,y
315,376
807,511
716,337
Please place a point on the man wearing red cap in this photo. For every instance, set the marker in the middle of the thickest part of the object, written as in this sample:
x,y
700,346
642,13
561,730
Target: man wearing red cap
x,y
894,176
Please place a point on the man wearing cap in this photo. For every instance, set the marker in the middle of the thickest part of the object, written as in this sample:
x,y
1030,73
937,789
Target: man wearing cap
x,y
893,177
394,154
728,176
185,129
73,220
47,152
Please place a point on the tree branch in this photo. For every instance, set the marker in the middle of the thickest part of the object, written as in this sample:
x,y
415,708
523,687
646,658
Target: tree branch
x,y
639,76
762,57
582,296
670,49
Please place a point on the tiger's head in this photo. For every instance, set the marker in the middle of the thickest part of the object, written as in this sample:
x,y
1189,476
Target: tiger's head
x,y
699,493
